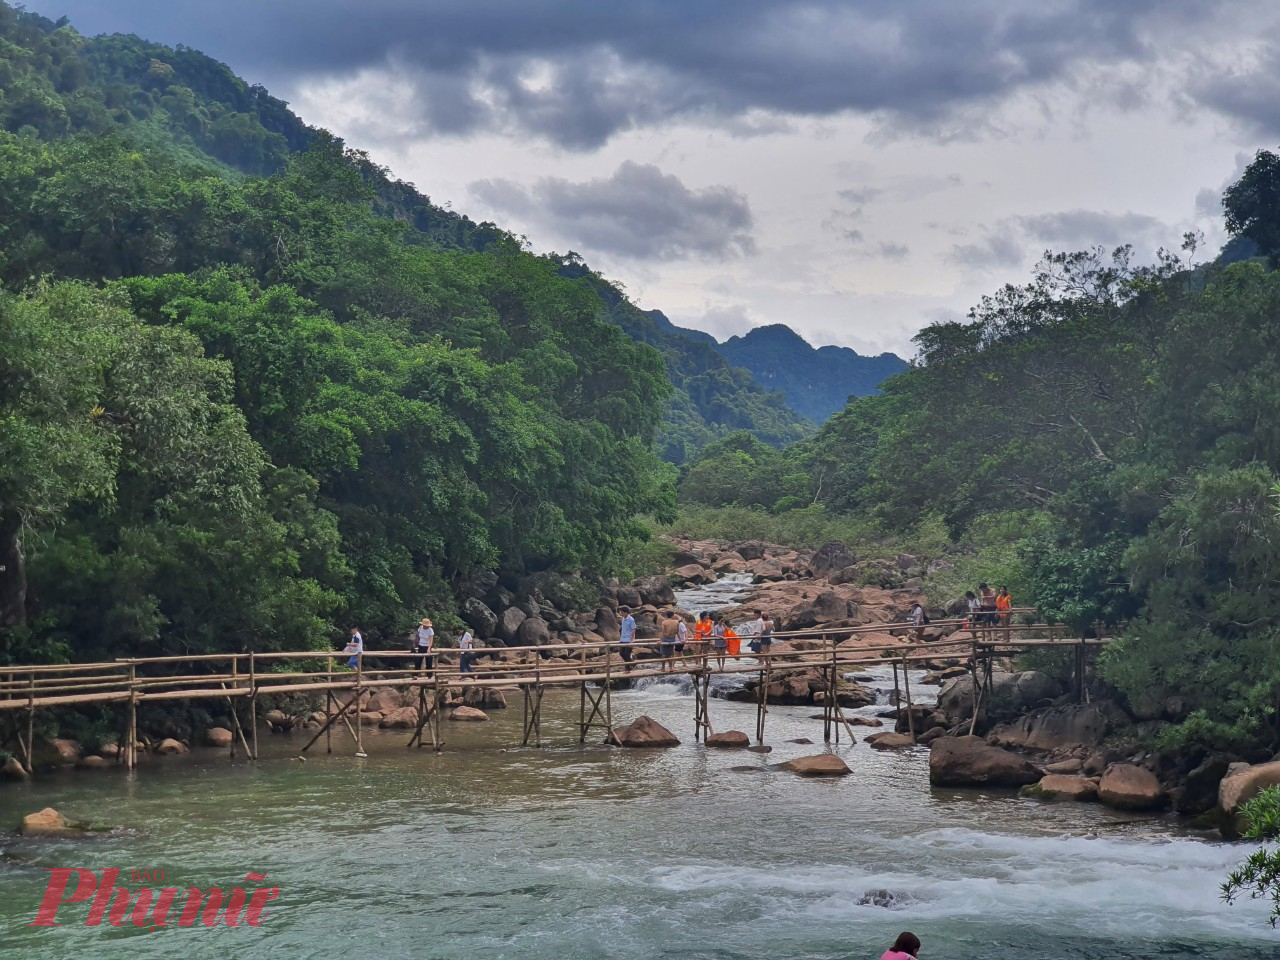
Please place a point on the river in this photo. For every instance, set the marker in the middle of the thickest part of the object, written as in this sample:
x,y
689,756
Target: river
x,y
566,852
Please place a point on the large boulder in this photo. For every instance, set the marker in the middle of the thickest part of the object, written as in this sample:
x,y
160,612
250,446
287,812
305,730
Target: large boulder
x,y
1014,691
692,573
49,823
890,741
972,762
170,747
12,769
533,632
509,621
1243,784
729,739
824,608
608,625
629,596
1060,786
831,557
656,590
1053,728
1199,791
218,737
468,715
477,615
1126,786
818,765
54,753
484,698
383,701
643,732
750,549
401,718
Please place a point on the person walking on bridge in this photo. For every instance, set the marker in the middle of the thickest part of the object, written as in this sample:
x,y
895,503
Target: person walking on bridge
x,y
626,636
732,642
426,643
466,652
1004,606
764,639
718,641
682,637
702,631
354,647
667,631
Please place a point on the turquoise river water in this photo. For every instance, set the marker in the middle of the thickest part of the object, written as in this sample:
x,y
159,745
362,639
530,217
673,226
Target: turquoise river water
x,y
566,852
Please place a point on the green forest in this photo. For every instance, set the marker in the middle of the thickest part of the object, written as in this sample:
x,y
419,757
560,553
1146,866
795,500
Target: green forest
x,y
253,388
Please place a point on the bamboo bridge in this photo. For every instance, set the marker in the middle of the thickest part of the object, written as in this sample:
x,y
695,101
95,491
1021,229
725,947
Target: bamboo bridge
x,y
242,680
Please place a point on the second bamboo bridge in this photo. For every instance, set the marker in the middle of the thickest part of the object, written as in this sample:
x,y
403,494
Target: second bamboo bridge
x,y
244,680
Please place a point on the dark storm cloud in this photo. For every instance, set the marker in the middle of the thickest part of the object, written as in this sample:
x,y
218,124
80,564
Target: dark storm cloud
x,y
579,71
1246,95
638,212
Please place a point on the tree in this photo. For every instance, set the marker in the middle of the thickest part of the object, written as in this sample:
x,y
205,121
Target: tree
x,y
1252,204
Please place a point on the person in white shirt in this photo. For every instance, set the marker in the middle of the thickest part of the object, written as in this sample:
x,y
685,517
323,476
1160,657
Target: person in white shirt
x,y
426,641
919,618
467,645
354,647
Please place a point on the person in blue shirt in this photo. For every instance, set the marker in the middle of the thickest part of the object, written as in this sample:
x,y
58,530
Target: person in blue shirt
x,y
626,635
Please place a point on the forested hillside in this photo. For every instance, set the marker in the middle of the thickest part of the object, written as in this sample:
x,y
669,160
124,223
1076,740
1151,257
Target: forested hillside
x,y
816,382
238,410
1106,440
194,110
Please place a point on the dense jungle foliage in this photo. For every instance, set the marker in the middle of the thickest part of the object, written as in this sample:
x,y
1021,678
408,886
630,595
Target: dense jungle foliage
x,y
1105,439
238,410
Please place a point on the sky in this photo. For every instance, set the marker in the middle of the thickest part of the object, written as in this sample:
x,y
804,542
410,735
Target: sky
x,y
856,169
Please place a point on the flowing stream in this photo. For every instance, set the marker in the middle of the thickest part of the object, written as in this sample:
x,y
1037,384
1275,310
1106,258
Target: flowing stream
x,y
566,852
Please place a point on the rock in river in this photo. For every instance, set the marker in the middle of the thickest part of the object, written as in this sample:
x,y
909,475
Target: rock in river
x,y
643,732
729,739
972,762
818,765
1129,787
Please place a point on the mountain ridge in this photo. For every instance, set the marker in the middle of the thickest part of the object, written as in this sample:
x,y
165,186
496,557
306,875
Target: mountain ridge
x,y
817,381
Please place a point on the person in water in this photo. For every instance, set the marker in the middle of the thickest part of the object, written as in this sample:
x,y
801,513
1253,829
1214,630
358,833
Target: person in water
x,y
906,947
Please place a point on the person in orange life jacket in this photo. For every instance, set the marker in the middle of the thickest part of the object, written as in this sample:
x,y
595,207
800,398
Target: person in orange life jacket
x,y
702,630
1004,606
732,642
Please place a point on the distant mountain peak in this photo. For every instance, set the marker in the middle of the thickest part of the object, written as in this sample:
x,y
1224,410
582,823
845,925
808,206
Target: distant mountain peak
x,y
816,381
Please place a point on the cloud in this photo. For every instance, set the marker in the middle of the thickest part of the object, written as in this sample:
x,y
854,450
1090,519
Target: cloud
x,y
998,250
578,72
639,212
1246,95
723,322
1009,242
1078,229
893,251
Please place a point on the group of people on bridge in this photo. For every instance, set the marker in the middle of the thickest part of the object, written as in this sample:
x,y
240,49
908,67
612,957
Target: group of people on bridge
x,y
714,634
